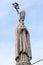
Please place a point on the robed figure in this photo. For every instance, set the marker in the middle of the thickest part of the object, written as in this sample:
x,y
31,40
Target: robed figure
x,y
22,46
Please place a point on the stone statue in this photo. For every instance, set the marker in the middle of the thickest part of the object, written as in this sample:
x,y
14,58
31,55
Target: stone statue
x,y
23,54
22,47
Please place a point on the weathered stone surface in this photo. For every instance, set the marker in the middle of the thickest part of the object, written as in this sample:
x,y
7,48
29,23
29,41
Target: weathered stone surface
x,y
24,63
22,47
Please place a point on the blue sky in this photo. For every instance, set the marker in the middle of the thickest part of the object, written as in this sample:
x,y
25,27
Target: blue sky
x,y
33,21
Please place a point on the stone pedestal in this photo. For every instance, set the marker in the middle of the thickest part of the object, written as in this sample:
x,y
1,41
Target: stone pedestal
x,y
24,63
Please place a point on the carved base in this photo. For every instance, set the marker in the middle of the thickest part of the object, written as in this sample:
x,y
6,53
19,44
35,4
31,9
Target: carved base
x,y
23,63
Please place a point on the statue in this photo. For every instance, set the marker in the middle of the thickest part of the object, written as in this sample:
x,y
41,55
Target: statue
x,y
22,46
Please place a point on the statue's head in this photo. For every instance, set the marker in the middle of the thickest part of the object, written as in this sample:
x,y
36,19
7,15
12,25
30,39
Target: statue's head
x,y
22,15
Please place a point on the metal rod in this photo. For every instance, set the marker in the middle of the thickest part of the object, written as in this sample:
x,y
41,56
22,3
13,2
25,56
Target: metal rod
x,y
37,61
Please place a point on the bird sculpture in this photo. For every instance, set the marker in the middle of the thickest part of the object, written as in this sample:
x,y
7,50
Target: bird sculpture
x,y
16,6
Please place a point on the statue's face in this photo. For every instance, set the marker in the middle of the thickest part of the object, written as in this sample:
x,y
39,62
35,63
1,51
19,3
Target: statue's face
x,y
22,15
